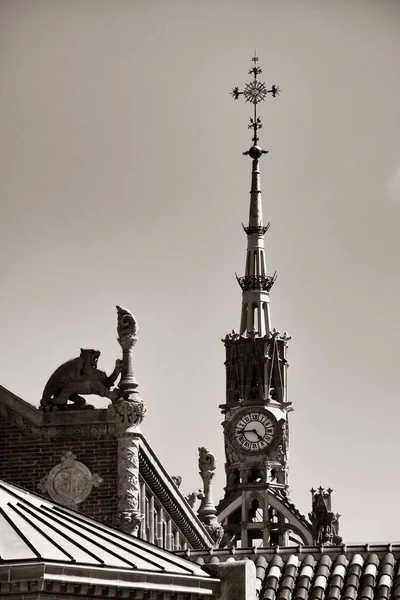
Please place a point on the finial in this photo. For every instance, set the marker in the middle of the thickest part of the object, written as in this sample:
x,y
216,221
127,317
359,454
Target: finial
x,y
256,91
127,404
207,512
127,330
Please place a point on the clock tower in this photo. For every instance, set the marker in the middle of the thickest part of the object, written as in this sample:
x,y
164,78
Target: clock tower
x,y
256,509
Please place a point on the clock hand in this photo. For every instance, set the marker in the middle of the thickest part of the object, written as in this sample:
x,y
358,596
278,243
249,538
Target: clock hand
x,y
260,437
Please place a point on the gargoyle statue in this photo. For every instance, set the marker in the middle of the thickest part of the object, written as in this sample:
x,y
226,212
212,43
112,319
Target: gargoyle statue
x,y
78,376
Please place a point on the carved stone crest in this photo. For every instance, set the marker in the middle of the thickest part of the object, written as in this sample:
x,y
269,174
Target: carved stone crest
x,y
70,482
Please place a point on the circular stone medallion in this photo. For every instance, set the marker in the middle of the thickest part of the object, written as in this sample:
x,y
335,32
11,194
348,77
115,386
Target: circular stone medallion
x,y
70,482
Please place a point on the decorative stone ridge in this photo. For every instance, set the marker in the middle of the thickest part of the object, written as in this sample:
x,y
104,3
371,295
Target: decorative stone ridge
x,y
95,423
70,482
161,485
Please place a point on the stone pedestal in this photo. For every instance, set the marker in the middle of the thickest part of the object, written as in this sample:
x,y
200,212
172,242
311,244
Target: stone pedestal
x,y
238,580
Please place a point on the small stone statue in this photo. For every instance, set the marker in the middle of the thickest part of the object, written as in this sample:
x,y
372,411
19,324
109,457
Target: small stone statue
x,y
192,498
177,479
78,376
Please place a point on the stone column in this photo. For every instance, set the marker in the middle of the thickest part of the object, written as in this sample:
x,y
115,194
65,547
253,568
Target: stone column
x,y
169,535
127,411
151,519
160,527
177,545
144,523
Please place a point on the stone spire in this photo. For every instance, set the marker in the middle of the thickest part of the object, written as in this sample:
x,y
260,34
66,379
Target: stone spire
x,y
255,284
256,509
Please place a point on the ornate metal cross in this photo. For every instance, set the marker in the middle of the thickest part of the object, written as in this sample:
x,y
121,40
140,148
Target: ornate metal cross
x,y
255,92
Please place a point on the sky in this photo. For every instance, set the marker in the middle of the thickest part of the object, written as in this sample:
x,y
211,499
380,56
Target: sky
x,y
122,181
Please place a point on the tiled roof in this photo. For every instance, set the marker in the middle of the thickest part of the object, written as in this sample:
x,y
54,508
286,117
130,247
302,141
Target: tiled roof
x,y
36,529
351,572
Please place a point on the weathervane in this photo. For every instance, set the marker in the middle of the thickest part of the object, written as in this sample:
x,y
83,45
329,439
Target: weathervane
x,y
255,92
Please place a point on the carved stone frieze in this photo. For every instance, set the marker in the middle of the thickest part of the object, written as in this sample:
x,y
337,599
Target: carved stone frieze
x,y
70,482
127,414
39,424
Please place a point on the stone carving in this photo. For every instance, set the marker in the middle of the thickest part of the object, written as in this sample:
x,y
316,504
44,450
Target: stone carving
x,y
285,336
127,414
128,517
231,455
192,498
325,524
177,479
78,376
284,436
207,463
70,482
207,512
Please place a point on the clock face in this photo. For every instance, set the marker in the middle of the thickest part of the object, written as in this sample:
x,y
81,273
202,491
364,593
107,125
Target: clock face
x,y
254,430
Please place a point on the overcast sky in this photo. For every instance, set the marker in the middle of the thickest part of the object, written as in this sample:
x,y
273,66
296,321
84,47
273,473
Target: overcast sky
x,y
122,180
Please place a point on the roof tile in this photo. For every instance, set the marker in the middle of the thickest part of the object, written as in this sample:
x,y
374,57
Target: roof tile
x,y
352,572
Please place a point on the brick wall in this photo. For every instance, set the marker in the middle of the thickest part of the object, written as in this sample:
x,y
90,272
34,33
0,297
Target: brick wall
x,y
25,460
